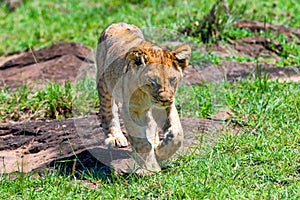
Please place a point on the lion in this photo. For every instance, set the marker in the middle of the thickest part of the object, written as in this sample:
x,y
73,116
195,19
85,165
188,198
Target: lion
x,y
140,79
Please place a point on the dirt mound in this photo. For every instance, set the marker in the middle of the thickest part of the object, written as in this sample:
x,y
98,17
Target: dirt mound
x,y
231,71
70,61
257,26
58,62
77,145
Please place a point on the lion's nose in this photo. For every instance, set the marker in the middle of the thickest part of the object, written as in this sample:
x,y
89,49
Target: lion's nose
x,y
164,96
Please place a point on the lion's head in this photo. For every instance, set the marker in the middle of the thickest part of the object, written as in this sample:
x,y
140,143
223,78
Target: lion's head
x,y
160,71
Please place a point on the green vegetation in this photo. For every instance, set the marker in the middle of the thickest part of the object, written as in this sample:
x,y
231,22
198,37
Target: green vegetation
x,y
52,102
56,101
257,159
261,160
40,23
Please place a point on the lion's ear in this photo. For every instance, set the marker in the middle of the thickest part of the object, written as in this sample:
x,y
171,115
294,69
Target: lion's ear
x,y
136,57
183,54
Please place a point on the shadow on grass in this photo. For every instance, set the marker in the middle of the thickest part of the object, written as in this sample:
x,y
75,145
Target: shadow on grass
x,y
96,163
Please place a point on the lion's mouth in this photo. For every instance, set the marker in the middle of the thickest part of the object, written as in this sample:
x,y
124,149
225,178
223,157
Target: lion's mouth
x,y
162,104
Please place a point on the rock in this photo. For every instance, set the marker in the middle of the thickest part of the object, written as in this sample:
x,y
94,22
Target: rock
x,y
59,62
77,145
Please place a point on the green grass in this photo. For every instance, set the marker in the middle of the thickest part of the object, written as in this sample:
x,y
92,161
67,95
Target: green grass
x,y
258,159
261,160
41,23
54,101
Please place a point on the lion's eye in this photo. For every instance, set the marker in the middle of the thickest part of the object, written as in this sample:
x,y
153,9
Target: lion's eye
x,y
172,80
153,81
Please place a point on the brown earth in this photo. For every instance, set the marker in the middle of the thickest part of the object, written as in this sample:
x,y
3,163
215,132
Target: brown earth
x,y
77,144
257,26
72,61
59,62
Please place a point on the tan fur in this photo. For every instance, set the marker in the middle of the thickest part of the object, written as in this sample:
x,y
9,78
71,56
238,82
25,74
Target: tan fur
x,y
143,78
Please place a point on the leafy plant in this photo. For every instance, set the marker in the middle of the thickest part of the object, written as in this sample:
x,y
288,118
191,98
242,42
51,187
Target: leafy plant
x,y
217,22
55,101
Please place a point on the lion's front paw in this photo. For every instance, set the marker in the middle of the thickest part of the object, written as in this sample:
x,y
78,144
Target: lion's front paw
x,y
116,141
146,172
143,172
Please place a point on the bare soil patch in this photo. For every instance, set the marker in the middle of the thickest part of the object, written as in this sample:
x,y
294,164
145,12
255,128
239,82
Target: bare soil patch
x,y
71,61
76,145
257,26
233,71
59,62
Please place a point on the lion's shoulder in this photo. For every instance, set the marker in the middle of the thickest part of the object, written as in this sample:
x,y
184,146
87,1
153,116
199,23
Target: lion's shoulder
x,y
119,32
